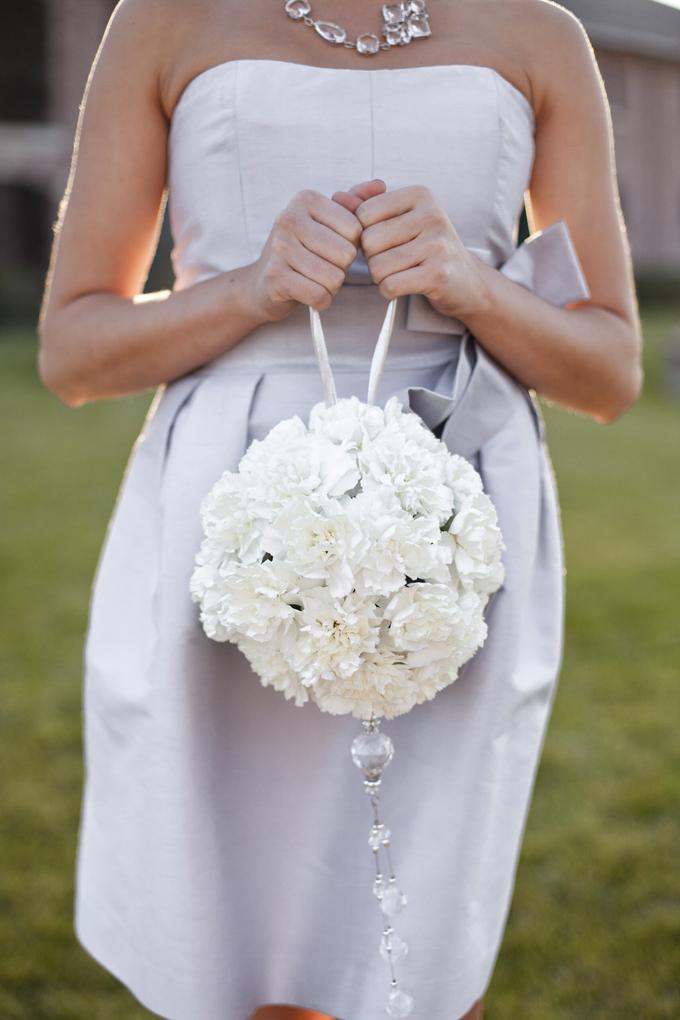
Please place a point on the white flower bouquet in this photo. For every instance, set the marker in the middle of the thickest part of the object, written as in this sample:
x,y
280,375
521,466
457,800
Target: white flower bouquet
x,y
351,559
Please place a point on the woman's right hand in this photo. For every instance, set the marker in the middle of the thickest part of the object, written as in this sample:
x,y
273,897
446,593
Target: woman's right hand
x,y
311,245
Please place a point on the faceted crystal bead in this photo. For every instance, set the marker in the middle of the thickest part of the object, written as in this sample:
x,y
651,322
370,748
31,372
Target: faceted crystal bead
x,y
393,900
397,35
371,752
392,946
378,835
394,13
298,8
416,7
419,27
399,1004
378,886
368,43
330,32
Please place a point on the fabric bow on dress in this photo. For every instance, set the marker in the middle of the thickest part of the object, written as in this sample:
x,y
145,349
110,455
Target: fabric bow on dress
x,y
483,395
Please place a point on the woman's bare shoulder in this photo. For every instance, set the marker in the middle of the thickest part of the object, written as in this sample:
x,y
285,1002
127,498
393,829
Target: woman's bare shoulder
x,y
553,45
528,41
150,42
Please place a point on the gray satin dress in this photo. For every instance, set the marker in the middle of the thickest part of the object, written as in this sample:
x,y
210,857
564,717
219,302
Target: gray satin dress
x,y
223,859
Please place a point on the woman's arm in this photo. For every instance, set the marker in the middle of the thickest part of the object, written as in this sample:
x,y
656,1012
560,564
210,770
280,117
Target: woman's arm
x,y
99,335
587,356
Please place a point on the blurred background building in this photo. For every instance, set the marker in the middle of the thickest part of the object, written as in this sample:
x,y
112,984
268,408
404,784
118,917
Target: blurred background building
x,y
47,46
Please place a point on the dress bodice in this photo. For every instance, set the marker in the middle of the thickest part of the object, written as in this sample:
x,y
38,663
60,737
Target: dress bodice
x,y
247,134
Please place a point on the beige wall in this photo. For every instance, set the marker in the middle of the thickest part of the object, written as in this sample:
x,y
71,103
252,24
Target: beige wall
x,y
644,94
75,28
38,154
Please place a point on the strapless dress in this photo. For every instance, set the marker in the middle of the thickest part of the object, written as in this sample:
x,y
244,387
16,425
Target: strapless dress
x,y
222,857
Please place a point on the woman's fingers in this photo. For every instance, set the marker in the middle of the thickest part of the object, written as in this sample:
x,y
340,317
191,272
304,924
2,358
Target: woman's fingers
x,y
380,237
298,287
358,193
312,243
310,204
327,243
315,268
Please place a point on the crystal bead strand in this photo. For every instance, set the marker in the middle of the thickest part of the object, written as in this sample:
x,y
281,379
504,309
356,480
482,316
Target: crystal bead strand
x,y
372,751
402,22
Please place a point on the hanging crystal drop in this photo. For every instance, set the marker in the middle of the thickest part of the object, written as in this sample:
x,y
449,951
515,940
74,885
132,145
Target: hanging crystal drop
x,y
372,787
399,1004
372,752
392,946
393,900
297,8
368,43
330,32
378,835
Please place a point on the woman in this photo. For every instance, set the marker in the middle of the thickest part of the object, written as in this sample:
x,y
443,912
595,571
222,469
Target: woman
x,y
219,820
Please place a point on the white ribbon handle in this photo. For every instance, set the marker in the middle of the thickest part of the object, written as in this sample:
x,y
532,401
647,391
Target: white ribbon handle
x,y
377,361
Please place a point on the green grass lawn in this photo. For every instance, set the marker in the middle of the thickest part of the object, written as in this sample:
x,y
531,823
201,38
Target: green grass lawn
x,y
594,930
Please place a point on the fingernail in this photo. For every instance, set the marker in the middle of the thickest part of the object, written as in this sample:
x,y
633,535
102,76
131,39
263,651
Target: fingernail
x,y
378,180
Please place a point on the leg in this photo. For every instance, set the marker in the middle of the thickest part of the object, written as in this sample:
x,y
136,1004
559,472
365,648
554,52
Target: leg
x,y
476,1013
270,1012
294,1013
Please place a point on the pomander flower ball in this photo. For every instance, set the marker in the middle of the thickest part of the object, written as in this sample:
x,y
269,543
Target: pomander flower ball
x,y
350,559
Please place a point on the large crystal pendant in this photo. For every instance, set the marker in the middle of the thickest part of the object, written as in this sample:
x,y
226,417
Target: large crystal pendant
x,y
330,32
371,752
399,1004
297,8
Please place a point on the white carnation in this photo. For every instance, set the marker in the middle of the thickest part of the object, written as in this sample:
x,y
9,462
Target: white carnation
x,y
399,545
333,635
413,471
383,685
273,670
229,519
476,542
433,678
321,545
421,615
256,598
349,422
468,633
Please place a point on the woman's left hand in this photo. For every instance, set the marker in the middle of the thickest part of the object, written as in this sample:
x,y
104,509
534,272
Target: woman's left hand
x,y
412,247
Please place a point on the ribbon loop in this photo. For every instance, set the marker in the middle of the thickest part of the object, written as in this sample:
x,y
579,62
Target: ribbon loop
x,y
377,361
477,394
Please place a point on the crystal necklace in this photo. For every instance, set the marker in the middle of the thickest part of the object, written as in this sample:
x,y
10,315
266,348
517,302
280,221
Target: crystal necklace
x,y
401,23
